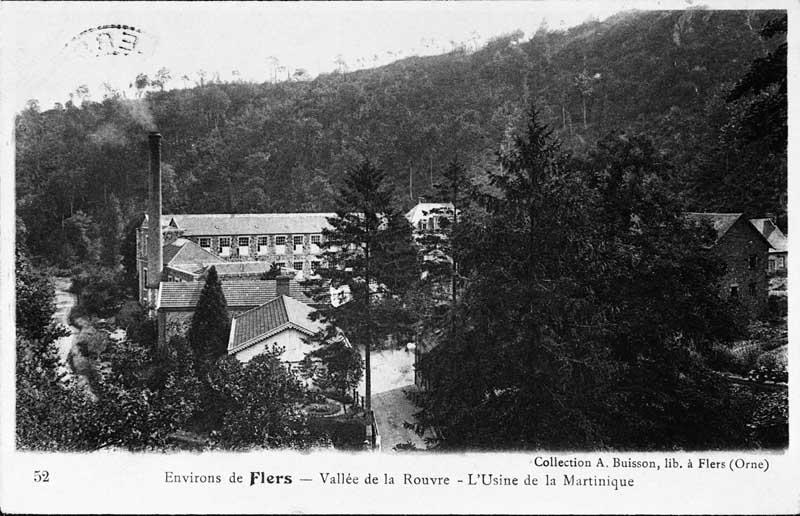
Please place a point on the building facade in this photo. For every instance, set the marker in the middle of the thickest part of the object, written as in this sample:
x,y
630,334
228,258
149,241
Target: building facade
x,y
745,252
239,245
779,244
177,301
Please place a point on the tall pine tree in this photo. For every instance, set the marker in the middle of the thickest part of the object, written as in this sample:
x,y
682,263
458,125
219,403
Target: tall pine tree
x,y
370,256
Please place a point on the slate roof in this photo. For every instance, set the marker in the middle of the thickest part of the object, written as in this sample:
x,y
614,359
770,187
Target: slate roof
x,y
177,295
269,319
772,233
721,222
226,224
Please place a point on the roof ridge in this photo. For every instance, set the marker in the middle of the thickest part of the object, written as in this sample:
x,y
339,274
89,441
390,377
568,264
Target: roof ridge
x,y
262,305
282,304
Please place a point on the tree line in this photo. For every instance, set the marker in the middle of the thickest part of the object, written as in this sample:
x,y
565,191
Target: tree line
x,y
240,147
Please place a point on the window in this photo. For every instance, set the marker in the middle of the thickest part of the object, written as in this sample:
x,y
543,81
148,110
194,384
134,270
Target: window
x,y
781,262
225,246
281,265
205,243
297,240
421,225
316,240
280,244
244,246
263,245
752,262
315,265
772,264
752,288
734,291
298,266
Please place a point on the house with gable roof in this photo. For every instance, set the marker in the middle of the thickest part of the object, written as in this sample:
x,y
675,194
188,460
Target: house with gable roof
x,y
779,244
176,301
284,322
745,252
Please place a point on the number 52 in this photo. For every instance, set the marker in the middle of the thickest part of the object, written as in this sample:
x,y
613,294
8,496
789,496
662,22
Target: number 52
x,y
41,476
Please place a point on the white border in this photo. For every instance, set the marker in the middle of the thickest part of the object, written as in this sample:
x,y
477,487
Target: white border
x,y
134,483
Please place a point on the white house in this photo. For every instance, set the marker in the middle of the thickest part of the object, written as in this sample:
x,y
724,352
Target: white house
x,y
282,321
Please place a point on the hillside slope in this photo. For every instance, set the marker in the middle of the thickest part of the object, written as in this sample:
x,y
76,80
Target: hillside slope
x,y
241,147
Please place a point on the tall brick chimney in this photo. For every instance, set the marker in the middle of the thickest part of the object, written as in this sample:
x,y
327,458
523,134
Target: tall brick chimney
x,y
155,257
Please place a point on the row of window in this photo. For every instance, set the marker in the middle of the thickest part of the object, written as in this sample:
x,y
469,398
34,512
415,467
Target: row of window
x,y
262,242
298,266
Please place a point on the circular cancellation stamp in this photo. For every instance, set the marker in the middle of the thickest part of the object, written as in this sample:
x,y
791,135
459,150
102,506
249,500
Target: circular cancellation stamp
x,y
111,40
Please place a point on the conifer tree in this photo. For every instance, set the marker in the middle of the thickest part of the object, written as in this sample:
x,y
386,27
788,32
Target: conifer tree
x,y
369,257
208,334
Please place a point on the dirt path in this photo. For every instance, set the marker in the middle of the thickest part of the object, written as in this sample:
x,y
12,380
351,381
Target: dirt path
x,y
392,376
65,300
392,410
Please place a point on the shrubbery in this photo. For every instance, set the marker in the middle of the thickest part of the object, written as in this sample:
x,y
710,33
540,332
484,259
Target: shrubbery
x,y
100,290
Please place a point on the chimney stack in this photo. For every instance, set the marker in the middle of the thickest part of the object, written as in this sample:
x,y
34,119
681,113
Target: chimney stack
x,y
155,257
282,285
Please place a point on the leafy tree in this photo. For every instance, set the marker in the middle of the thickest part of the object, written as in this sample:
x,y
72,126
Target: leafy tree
x,y
209,332
100,290
113,229
34,291
49,413
260,400
344,364
765,117
370,254
130,272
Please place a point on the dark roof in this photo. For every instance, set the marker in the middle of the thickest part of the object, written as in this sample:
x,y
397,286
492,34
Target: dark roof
x,y
175,295
721,222
186,252
777,240
226,224
270,318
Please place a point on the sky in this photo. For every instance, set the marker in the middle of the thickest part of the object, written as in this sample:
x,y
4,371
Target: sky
x,y
46,62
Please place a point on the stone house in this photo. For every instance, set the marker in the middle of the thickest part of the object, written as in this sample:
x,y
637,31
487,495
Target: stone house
x,y
177,301
745,252
240,246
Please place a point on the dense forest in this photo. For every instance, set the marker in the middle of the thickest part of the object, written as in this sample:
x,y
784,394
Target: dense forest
x,y
284,146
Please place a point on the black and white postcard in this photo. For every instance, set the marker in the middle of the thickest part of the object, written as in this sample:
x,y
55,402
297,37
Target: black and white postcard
x,y
407,257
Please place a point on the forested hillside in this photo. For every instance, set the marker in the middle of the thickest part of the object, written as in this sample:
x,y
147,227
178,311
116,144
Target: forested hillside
x,y
242,147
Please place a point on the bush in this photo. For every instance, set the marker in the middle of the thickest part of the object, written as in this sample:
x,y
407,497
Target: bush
x,y
345,398
777,307
92,342
720,358
769,424
133,319
747,359
768,368
346,433
99,290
